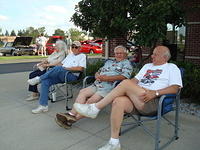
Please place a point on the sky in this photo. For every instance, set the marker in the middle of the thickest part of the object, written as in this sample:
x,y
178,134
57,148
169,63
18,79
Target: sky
x,y
51,14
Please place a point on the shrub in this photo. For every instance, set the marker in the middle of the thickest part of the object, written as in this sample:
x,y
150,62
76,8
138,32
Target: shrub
x,y
93,67
191,81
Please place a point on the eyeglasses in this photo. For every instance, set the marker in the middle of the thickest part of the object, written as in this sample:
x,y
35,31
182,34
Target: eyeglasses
x,y
119,53
76,47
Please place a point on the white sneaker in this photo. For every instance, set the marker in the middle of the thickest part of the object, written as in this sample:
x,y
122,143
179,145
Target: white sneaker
x,y
32,98
86,110
40,109
109,146
34,81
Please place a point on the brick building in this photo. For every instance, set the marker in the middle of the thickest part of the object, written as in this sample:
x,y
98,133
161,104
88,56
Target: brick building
x,y
192,40
192,43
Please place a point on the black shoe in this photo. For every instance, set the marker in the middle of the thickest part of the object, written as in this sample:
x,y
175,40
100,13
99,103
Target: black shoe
x,y
63,124
66,116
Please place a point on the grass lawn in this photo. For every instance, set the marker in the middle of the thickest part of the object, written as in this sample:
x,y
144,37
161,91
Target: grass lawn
x,y
2,58
20,57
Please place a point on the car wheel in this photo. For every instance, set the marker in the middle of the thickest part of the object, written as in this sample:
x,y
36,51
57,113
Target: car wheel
x,y
91,51
13,53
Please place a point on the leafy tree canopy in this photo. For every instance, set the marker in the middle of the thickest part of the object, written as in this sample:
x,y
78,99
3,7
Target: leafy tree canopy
x,y
59,32
12,33
32,32
144,20
76,35
7,33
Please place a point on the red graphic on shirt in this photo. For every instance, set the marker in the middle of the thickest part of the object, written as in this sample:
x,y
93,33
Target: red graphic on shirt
x,y
150,76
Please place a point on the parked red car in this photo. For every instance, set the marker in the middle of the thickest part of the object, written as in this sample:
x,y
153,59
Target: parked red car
x,y
91,46
50,45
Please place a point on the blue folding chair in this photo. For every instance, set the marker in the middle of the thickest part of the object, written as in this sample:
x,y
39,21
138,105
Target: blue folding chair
x,y
167,103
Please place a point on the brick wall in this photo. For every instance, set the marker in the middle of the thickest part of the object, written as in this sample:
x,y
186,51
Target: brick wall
x,y
192,45
112,44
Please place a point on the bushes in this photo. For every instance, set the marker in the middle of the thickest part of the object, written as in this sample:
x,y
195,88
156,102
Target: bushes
x,y
191,81
93,67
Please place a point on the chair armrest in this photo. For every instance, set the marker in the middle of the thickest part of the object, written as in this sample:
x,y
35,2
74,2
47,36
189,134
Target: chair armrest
x,y
87,79
74,71
166,103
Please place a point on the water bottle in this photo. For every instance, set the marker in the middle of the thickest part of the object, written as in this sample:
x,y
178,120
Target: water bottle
x,y
54,96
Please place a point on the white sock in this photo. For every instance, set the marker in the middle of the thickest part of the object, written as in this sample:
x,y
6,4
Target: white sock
x,y
114,141
71,113
38,79
95,108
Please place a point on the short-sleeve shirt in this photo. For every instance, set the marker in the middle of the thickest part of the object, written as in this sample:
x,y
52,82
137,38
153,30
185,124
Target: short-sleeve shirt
x,y
113,68
74,61
158,77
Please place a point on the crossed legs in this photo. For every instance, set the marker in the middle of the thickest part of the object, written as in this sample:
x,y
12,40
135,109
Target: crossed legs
x,y
85,96
120,106
125,88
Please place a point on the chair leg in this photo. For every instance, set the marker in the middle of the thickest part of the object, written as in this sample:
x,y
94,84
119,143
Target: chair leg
x,y
176,128
69,96
157,137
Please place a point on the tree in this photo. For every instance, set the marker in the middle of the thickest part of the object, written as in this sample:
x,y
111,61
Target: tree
x,y
1,34
76,35
59,32
145,21
12,33
20,33
7,33
32,32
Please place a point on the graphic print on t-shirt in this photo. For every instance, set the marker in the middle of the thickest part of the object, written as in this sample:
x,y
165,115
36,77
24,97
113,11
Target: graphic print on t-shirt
x,y
151,76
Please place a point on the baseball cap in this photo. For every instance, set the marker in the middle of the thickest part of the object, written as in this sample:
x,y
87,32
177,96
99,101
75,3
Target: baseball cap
x,y
77,43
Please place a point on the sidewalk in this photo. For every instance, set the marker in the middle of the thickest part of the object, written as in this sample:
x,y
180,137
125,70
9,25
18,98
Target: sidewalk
x,y
22,130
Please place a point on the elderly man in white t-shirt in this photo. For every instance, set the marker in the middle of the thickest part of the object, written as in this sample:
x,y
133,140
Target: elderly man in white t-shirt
x,y
73,62
138,94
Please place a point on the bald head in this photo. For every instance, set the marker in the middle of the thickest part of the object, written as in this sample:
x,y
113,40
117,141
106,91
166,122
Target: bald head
x,y
161,55
165,51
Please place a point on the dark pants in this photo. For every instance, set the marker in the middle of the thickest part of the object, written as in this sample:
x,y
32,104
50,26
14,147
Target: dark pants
x,y
33,88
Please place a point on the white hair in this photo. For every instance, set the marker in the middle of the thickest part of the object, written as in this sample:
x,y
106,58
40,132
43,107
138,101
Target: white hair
x,y
167,53
60,45
120,47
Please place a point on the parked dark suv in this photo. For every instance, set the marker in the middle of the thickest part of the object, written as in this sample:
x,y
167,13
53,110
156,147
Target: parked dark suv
x,y
20,46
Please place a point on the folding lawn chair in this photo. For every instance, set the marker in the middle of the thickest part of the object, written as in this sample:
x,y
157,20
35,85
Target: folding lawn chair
x,y
167,104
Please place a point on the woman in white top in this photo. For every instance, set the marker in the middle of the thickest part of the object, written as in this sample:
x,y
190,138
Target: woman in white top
x,y
56,57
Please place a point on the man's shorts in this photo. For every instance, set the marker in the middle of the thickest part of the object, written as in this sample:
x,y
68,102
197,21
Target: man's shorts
x,y
150,108
96,90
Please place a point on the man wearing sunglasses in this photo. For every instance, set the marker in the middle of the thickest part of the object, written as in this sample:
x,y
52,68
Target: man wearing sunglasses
x,y
75,61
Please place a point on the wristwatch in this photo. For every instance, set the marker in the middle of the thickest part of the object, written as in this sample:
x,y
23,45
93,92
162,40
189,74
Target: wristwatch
x,y
157,93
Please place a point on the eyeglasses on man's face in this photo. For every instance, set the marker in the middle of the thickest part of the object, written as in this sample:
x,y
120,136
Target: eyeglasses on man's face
x,y
118,53
76,47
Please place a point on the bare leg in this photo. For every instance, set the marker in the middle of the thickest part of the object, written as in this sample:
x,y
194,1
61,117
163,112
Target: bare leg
x,y
83,97
125,88
119,106
45,53
42,51
93,99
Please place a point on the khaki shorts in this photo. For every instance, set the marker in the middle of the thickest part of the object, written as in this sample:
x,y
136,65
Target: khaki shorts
x,y
150,108
95,89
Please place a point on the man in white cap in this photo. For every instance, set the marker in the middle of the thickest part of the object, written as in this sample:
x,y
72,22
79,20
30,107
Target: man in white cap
x,y
75,61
